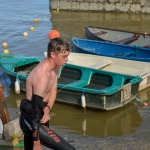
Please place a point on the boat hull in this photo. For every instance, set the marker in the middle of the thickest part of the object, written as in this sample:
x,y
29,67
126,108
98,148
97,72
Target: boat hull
x,y
93,101
110,49
114,65
101,89
118,36
96,101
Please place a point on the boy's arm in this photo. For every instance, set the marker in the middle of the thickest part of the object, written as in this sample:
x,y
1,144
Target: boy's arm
x,y
51,101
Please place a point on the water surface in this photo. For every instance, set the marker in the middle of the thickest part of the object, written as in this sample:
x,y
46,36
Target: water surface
x,y
18,16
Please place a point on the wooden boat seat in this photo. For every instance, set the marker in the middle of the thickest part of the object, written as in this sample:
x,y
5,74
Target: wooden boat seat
x,y
101,64
141,73
100,33
130,39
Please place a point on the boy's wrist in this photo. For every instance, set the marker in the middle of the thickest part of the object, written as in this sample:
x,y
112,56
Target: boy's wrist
x,y
48,107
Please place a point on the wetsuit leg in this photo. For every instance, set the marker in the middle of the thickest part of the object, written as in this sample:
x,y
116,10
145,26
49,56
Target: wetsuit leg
x,y
28,141
52,140
48,137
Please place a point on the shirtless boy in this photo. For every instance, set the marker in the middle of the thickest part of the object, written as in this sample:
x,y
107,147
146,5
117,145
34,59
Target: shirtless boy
x,y
41,88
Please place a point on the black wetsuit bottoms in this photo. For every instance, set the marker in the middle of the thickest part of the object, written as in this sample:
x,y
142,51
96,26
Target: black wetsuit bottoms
x,y
47,137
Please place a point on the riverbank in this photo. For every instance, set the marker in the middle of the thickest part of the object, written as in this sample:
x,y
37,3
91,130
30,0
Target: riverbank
x,y
136,141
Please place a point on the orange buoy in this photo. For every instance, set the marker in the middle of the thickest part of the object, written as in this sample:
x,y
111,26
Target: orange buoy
x,y
53,34
36,20
4,44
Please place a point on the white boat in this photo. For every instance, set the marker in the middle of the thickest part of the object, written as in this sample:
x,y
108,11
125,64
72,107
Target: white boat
x,y
130,67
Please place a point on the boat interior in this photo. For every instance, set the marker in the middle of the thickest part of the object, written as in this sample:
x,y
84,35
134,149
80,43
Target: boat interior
x,y
127,40
121,37
25,69
90,78
83,77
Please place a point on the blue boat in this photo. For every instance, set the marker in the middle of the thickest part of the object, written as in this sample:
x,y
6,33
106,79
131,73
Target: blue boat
x,y
111,49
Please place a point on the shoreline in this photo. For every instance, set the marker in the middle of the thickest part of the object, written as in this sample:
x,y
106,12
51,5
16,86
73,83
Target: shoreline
x,y
138,140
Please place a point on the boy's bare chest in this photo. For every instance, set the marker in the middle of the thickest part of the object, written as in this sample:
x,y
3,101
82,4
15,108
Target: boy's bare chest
x,y
51,81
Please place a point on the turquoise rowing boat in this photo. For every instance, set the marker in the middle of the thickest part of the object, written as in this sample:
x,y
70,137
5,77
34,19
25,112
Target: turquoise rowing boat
x,y
78,85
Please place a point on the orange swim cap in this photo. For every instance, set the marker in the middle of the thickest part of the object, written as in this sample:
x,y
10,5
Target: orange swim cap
x,y
53,34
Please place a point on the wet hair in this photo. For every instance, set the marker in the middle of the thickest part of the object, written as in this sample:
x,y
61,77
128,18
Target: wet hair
x,y
58,45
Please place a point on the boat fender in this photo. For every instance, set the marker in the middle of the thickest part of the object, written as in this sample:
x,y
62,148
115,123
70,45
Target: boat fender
x,y
83,101
17,86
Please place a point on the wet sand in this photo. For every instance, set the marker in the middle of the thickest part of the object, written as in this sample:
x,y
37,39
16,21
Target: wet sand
x,y
137,141
140,142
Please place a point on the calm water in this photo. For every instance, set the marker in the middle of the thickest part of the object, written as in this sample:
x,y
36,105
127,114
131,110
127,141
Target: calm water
x,y
18,16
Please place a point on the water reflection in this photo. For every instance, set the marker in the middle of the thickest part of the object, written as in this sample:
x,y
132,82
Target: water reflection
x,y
13,102
101,123
71,24
76,120
97,123
144,95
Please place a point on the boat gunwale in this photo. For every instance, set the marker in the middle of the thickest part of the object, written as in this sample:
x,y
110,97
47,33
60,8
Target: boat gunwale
x,y
125,31
112,89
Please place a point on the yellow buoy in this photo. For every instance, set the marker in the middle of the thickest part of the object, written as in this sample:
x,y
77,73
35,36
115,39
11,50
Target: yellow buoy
x,y
36,20
4,44
6,51
25,34
31,29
